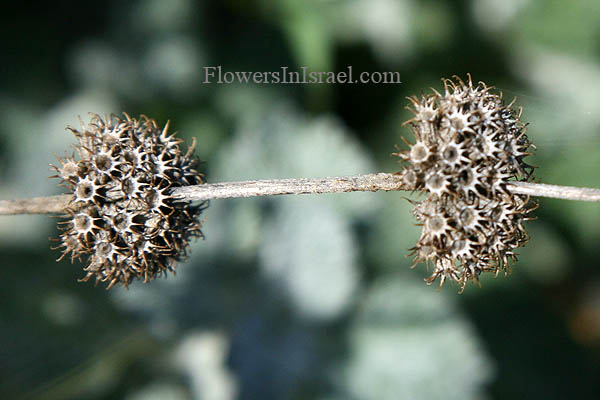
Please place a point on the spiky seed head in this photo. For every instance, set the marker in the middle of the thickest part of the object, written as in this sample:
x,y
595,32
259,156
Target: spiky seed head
x,y
469,145
122,219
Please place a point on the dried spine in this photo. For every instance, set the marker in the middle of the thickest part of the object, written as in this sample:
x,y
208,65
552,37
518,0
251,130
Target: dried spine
x,y
122,217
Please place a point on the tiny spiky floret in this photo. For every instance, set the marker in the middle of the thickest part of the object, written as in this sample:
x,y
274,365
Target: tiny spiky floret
x,y
468,146
122,219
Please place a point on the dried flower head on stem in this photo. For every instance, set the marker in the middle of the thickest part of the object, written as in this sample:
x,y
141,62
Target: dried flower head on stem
x,y
122,217
129,213
469,146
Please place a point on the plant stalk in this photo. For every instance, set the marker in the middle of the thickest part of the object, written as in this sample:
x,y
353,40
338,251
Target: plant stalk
x,y
274,187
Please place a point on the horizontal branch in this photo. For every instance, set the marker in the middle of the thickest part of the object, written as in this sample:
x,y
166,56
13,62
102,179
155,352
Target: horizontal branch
x,y
273,187
35,205
555,191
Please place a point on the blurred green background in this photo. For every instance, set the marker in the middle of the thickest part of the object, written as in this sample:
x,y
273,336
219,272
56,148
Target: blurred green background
x,y
299,297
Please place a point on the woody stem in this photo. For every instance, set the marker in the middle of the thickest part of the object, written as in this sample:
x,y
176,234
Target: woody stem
x,y
274,187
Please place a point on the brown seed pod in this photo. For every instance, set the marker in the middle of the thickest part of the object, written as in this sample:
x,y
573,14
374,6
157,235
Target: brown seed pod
x,y
468,146
122,219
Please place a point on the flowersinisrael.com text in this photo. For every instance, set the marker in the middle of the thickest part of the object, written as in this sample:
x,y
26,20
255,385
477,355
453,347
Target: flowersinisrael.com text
x,y
305,75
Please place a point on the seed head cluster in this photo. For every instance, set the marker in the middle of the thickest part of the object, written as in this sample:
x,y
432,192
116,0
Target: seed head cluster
x,y
122,218
468,146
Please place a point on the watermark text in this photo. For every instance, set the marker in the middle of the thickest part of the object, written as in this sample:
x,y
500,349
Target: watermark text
x,y
304,76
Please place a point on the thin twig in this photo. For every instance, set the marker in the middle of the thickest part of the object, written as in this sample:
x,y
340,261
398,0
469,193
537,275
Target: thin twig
x,y
35,205
555,191
273,187
360,183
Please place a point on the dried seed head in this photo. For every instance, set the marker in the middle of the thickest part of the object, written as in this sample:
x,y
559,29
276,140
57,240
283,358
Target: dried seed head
x,y
469,145
122,217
